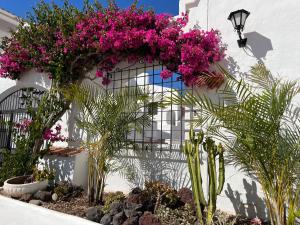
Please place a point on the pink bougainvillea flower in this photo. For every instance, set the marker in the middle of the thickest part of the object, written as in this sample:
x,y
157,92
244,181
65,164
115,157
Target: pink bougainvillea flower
x,y
119,35
256,221
165,74
106,81
99,73
54,136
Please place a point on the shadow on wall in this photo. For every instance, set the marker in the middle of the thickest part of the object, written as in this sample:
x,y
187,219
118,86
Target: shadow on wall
x,y
232,67
75,134
62,166
144,165
258,45
254,205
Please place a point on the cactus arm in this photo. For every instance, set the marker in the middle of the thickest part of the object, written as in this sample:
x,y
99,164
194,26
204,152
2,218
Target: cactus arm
x,y
197,197
192,169
198,171
221,173
297,214
212,185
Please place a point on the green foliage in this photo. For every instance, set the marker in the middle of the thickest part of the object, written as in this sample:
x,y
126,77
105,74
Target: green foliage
x,y
62,190
192,151
29,139
110,198
18,163
257,120
107,118
40,28
41,175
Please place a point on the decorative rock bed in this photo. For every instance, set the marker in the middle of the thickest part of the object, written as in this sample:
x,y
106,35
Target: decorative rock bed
x,y
139,207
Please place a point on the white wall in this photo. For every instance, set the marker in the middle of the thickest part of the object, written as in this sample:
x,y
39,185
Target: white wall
x,y
271,30
273,38
68,168
7,22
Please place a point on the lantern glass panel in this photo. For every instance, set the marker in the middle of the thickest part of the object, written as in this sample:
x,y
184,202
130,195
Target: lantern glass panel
x,y
244,17
237,17
232,21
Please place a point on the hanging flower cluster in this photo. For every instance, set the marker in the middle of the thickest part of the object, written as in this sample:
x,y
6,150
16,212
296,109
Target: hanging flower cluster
x,y
54,135
106,37
23,125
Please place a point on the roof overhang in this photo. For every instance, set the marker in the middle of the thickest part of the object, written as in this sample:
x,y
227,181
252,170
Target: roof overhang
x,y
10,19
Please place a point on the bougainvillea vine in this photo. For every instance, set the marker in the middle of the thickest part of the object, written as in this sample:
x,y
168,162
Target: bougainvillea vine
x,y
103,37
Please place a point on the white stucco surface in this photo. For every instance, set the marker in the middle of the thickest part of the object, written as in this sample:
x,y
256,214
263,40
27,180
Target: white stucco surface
x,y
270,29
68,168
14,212
273,40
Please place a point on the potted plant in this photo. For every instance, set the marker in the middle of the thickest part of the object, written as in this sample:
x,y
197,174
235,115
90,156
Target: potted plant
x,y
28,184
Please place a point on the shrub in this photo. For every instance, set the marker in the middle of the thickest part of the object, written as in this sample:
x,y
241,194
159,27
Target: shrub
x,y
40,175
110,198
162,193
66,190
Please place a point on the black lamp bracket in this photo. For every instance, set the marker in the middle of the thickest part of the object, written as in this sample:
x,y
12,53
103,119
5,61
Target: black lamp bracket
x,y
242,41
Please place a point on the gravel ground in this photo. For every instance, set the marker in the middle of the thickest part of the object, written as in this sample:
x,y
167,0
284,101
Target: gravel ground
x,y
76,206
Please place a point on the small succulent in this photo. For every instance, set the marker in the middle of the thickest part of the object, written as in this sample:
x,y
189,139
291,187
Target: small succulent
x,y
184,215
41,175
66,190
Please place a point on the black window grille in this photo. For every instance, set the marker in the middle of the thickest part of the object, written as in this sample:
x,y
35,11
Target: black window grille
x,y
169,126
13,109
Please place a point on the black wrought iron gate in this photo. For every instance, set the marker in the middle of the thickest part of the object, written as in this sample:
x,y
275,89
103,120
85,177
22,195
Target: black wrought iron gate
x,y
13,109
168,125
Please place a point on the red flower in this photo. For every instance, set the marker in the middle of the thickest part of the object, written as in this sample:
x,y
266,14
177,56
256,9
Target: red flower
x,y
165,74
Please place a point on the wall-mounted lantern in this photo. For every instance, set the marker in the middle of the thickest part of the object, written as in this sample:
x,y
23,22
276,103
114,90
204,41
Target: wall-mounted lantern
x,y
238,19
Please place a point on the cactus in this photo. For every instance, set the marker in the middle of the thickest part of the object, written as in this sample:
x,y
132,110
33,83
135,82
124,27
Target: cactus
x,y
192,151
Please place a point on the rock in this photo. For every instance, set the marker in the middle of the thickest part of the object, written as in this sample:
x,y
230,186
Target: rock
x,y
133,209
55,197
44,196
116,207
136,190
94,214
119,218
36,202
134,206
106,219
141,198
186,196
149,219
26,197
132,221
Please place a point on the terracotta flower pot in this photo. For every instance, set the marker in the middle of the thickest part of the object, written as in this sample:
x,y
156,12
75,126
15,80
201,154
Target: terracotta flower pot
x,y
15,186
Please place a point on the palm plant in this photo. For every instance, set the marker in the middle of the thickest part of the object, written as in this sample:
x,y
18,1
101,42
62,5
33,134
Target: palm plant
x,y
260,125
107,118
